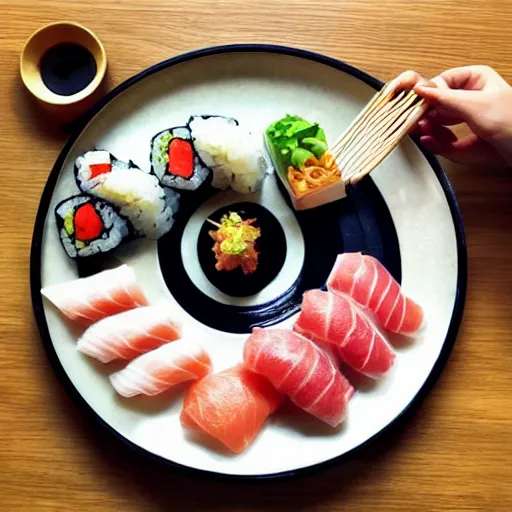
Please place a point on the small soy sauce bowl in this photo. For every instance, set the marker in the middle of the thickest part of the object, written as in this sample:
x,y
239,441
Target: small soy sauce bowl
x,y
63,65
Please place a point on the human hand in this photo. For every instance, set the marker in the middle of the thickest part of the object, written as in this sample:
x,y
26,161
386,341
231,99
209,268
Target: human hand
x,y
475,95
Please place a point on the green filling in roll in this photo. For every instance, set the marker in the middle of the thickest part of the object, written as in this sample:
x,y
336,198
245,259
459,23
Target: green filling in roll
x,y
161,155
68,223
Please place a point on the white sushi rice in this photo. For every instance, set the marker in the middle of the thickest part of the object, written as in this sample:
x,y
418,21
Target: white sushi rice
x,y
83,164
115,229
137,194
235,156
160,161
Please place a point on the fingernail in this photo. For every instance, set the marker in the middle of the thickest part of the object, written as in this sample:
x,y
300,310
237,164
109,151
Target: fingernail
x,y
426,85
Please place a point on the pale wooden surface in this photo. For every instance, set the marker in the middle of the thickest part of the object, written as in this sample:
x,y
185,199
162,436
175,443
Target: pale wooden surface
x,y
456,452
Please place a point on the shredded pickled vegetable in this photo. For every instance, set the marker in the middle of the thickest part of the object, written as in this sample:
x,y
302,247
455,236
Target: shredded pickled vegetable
x,y
314,174
235,243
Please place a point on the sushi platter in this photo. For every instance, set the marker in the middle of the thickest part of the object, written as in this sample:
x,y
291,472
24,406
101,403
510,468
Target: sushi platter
x,y
208,287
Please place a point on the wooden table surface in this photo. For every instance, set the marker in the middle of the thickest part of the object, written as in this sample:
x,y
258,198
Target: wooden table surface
x,y
455,453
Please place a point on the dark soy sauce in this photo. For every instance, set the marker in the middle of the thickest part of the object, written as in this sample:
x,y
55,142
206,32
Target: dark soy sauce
x,y
67,68
271,246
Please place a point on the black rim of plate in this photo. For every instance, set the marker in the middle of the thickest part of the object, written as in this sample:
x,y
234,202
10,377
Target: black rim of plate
x,y
35,263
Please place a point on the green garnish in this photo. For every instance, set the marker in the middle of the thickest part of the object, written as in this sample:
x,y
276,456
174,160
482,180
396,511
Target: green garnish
x,y
231,220
289,137
162,153
300,156
317,146
165,139
69,224
235,245
235,235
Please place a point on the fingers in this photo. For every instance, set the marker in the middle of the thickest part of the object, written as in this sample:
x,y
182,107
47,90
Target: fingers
x,y
429,92
473,150
440,82
467,150
442,100
443,116
437,113
451,105
465,143
473,95
459,78
472,78
436,138
407,80
443,136
432,144
468,78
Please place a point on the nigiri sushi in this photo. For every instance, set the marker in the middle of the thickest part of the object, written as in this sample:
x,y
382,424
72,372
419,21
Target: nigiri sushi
x,y
131,333
89,299
158,370
338,320
298,368
370,284
88,226
136,193
230,406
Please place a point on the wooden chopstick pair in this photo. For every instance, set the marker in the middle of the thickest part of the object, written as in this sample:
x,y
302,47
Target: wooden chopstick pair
x,y
376,131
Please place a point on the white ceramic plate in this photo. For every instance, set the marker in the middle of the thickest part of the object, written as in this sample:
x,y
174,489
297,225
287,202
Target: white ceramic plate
x,y
405,215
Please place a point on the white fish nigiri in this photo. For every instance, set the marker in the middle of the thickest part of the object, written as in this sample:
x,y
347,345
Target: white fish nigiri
x,y
89,299
129,334
160,369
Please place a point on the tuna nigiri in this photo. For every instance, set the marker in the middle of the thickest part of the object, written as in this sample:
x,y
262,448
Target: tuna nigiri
x,y
131,333
163,368
369,283
230,406
298,368
338,320
89,299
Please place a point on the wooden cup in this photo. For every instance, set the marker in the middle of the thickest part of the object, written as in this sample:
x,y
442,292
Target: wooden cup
x,y
64,108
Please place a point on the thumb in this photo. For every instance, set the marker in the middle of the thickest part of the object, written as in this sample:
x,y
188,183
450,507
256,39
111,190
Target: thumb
x,y
462,104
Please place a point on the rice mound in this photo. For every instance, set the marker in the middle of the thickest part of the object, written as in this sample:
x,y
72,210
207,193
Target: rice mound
x,y
235,156
140,198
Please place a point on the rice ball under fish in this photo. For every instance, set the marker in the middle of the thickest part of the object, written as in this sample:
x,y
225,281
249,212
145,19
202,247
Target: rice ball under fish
x,y
235,156
136,193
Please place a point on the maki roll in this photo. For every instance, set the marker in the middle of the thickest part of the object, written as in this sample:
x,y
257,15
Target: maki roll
x,y
299,151
234,154
89,226
174,160
136,193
